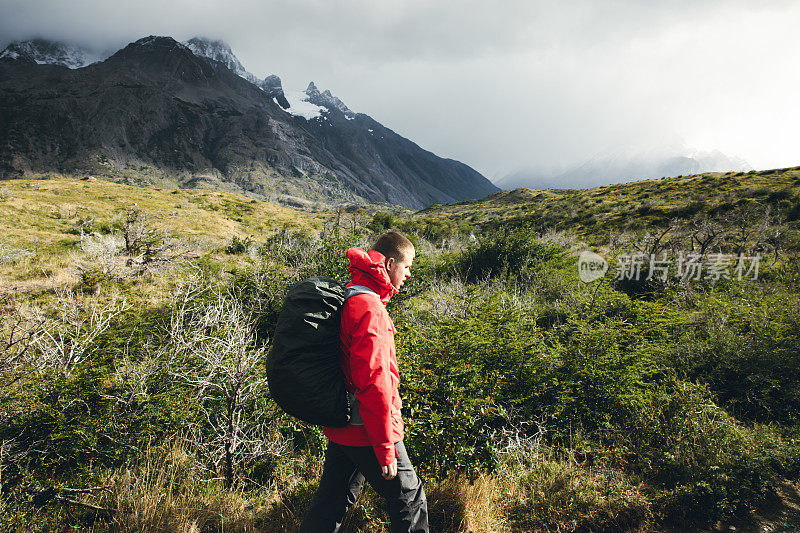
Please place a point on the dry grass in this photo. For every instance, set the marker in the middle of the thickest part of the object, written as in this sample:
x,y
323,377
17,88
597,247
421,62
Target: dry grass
x,y
167,491
557,495
458,505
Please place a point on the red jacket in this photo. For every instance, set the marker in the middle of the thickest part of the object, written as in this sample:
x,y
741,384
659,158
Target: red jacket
x,y
369,362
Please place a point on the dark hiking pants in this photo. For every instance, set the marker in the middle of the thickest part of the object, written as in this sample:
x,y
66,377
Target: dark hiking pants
x,y
343,475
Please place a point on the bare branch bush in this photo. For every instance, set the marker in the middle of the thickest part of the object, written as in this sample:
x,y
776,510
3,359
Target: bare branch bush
x,y
149,249
96,245
294,249
565,238
13,254
653,243
454,297
82,226
620,240
101,255
753,229
136,374
172,253
65,335
455,243
16,335
518,445
769,235
212,350
704,235
138,231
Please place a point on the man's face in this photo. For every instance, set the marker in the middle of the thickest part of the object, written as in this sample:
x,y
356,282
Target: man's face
x,y
399,269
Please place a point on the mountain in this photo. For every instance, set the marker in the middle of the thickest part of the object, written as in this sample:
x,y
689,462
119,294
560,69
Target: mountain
x,y
625,165
45,52
157,113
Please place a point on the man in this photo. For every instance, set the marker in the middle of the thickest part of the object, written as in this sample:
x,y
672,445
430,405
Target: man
x,y
371,447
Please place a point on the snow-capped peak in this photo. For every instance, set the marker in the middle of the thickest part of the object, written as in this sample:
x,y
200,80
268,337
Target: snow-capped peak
x,y
299,105
220,51
43,51
326,99
311,103
312,91
158,40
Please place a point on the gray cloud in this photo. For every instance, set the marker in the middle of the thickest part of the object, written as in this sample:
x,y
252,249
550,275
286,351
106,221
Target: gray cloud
x,y
499,86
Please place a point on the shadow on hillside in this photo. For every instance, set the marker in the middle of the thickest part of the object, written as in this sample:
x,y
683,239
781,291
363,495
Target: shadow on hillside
x,y
779,515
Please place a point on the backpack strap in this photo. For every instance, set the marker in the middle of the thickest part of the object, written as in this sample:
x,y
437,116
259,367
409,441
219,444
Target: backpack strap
x,y
355,415
355,290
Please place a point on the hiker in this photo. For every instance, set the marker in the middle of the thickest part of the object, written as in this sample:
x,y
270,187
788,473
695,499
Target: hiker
x,y
371,446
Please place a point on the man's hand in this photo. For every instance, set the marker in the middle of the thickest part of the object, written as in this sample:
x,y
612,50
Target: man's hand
x,y
389,472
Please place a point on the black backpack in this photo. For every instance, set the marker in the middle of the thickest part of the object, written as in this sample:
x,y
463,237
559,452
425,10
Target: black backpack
x,y
303,366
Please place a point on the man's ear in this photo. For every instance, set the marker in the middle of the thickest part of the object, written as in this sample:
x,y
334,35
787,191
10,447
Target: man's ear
x,y
389,262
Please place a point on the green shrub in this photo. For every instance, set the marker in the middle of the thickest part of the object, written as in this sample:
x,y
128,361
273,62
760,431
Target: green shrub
x,y
467,374
506,254
239,245
92,278
492,368
703,465
793,212
752,364
381,221
690,209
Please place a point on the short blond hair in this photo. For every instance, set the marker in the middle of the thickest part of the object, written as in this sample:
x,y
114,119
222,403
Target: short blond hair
x,y
393,244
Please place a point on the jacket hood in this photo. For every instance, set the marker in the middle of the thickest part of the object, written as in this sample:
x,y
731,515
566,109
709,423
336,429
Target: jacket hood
x,y
369,269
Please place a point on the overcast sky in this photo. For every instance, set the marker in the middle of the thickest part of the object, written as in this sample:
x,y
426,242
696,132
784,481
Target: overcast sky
x,y
501,85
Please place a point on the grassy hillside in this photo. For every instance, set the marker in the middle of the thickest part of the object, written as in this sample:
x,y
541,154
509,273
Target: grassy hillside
x,y
48,210
595,213
42,221
132,389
